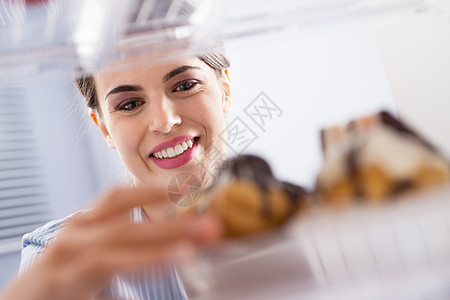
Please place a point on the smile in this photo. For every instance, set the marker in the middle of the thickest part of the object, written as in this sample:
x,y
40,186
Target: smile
x,y
174,151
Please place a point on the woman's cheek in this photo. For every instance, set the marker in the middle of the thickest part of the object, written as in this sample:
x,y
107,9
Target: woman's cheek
x,y
127,142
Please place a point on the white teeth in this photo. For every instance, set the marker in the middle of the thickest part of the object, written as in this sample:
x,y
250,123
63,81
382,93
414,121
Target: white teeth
x,y
171,152
178,149
174,151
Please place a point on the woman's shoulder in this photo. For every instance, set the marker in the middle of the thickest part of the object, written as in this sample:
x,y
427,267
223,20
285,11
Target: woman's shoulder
x,y
35,242
43,235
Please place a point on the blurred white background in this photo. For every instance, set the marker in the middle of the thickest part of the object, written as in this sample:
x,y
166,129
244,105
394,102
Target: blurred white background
x,y
416,52
319,77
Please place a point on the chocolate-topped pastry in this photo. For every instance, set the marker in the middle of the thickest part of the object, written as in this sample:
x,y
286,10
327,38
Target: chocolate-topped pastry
x,y
248,198
249,167
375,157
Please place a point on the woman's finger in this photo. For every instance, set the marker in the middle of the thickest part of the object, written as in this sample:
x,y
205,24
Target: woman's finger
x,y
120,233
120,200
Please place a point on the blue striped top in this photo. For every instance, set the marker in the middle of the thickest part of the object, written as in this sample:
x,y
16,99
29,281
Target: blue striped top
x,y
154,283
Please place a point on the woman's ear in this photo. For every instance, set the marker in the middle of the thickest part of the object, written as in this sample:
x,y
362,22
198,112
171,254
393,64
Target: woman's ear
x,y
104,131
93,116
227,99
110,142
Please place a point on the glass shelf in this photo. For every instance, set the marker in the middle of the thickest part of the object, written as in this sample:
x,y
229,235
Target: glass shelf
x,y
83,34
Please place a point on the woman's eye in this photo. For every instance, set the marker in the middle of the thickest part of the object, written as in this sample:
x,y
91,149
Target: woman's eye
x,y
130,105
186,86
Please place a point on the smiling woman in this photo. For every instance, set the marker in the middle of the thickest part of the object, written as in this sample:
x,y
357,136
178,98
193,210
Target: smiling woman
x,y
162,117
163,120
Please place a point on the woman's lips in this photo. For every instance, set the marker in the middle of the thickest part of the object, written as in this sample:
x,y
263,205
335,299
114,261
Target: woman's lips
x,y
177,161
171,143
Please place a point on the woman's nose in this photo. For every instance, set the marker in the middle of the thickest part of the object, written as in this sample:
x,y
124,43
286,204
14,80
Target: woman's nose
x,y
163,116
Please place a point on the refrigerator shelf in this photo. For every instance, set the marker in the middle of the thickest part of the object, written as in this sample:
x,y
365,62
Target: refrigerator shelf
x,y
83,34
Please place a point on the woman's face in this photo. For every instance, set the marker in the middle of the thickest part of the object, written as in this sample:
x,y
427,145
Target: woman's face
x,y
165,118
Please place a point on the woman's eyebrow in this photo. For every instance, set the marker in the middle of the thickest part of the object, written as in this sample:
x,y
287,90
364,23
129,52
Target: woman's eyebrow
x,y
124,88
177,71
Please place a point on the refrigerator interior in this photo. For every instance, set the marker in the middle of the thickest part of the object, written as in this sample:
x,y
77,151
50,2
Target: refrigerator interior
x,y
312,64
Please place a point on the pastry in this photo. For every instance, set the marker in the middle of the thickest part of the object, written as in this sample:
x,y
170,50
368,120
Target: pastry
x,y
375,157
248,198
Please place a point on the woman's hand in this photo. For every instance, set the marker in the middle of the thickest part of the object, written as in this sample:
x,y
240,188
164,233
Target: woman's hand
x,y
102,241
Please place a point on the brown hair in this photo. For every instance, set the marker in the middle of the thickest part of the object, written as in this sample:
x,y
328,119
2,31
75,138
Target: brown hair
x,y
216,59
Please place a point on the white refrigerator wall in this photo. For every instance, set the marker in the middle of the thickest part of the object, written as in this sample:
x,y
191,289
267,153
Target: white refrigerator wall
x,y
318,78
416,53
